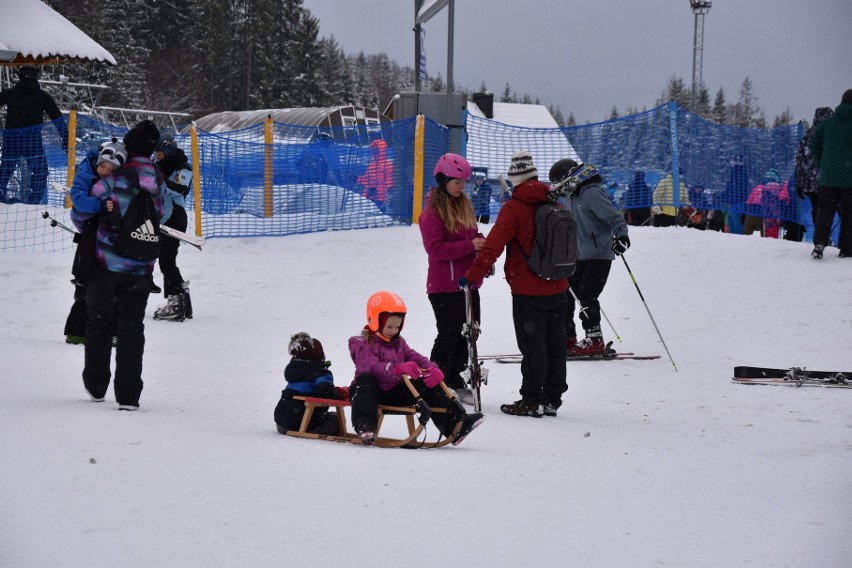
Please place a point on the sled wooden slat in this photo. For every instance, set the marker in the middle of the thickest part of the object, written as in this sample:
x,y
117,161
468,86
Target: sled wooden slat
x,y
414,428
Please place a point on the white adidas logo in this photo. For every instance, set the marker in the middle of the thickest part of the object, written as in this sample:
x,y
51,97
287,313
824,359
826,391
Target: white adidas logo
x,y
145,232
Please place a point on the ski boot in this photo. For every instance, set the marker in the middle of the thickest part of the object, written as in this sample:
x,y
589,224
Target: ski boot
x,y
592,346
817,252
173,311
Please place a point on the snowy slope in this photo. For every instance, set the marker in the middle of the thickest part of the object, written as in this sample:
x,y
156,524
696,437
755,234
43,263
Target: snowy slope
x,y
644,466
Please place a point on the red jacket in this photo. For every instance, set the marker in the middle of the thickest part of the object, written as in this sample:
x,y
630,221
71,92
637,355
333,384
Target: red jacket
x,y
516,224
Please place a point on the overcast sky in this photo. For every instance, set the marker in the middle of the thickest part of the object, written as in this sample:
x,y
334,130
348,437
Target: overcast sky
x,y
587,56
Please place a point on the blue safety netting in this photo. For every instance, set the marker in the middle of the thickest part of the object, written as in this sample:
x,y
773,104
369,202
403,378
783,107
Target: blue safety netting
x,y
339,178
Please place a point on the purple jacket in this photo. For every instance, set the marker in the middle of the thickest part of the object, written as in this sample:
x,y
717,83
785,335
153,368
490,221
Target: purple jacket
x,y
450,254
379,357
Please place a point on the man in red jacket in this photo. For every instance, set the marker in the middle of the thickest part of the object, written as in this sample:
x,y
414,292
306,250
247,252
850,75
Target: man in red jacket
x,y
538,305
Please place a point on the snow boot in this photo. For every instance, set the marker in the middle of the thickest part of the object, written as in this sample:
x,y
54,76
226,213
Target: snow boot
x,y
470,423
187,302
817,252
173,310
550,409
521,408
592,345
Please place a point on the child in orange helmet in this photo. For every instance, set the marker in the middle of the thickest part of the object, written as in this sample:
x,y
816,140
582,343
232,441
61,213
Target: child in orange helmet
x,y
381,358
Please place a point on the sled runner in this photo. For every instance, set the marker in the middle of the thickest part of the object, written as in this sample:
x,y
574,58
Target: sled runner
x,y
418,409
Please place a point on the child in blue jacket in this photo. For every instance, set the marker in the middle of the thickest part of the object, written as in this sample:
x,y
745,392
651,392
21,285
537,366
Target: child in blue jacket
x,y
307,374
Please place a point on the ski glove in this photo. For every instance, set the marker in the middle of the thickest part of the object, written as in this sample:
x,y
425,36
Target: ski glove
x,y
620,245
409,368
432,377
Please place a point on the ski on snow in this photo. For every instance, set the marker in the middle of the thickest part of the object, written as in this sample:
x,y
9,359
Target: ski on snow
x,y
792,377
608,355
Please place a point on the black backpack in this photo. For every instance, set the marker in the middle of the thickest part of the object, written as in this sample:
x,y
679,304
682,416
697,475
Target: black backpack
x,y
554,250
138,235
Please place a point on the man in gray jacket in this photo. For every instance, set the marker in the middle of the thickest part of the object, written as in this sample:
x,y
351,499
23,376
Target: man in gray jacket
x,y
601,234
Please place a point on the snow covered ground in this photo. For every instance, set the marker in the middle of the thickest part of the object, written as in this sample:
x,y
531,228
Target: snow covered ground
x,y
644,466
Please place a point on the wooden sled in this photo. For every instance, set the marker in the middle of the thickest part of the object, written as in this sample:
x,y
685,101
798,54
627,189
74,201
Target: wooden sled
x,y
415,428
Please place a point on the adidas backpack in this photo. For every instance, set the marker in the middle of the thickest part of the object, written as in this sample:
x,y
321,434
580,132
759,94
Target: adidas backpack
x,y
139,234
554,250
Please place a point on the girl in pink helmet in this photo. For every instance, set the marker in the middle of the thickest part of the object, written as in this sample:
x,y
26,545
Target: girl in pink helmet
x,y
451,239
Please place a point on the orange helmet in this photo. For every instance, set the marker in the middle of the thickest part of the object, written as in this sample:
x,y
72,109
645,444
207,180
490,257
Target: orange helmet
x,y
383,303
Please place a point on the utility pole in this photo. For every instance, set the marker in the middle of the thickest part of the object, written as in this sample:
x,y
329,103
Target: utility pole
x,y
699,8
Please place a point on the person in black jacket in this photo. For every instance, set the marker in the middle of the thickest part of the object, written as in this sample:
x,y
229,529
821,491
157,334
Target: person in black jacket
x,y
26,104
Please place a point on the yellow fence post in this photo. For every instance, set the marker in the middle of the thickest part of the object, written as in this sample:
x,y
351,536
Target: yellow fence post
x,y
419,137
196,178
72,152
267,167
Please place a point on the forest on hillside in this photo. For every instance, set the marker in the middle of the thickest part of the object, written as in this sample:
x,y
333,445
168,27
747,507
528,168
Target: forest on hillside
x,y
204,56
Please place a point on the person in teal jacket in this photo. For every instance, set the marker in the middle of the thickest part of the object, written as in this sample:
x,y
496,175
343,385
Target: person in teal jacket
x,y
831,148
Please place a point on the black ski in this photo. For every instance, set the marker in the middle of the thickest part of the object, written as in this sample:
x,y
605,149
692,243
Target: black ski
x,y
794,377
475,374
769,373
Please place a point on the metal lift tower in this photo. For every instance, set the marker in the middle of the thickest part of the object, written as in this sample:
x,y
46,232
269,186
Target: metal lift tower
x,y
699,8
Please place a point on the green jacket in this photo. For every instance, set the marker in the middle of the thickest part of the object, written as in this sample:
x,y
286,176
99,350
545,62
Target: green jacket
x,y
831,148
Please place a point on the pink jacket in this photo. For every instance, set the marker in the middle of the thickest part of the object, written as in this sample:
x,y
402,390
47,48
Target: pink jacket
x,y
450,254
379,357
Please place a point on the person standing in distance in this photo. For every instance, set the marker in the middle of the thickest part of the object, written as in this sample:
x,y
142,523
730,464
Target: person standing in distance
x,y
831,148
26,104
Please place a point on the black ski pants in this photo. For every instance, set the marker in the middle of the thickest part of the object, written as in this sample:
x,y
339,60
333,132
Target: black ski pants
x,y
75,324
365,396
831,200
587,282
120,298
450,348
172,278
540,333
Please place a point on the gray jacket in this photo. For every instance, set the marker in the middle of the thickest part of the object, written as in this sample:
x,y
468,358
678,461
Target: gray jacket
x,y
598,222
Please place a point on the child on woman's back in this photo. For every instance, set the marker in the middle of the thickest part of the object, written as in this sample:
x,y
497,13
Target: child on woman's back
x,y
381,358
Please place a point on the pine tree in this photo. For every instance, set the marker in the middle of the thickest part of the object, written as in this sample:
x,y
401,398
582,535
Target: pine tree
x,y
506,97
720,113
784,119
613,113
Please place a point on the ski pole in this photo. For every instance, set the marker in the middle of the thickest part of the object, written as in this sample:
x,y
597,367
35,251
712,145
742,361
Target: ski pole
x,y
55,223
647,309
584,308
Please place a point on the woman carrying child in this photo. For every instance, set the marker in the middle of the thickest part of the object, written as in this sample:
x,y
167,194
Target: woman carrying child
x,y
451,239
381,358
109,157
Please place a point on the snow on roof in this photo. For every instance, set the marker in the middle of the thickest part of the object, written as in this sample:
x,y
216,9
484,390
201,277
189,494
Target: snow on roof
x,y
518,114
535,130
32,32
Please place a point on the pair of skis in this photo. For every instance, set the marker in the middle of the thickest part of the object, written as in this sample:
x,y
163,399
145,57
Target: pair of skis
x,y
792,377
609,354
516,358
475,374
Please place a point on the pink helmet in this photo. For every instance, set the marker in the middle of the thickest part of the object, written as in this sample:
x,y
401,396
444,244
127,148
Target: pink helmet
x,y
452,166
